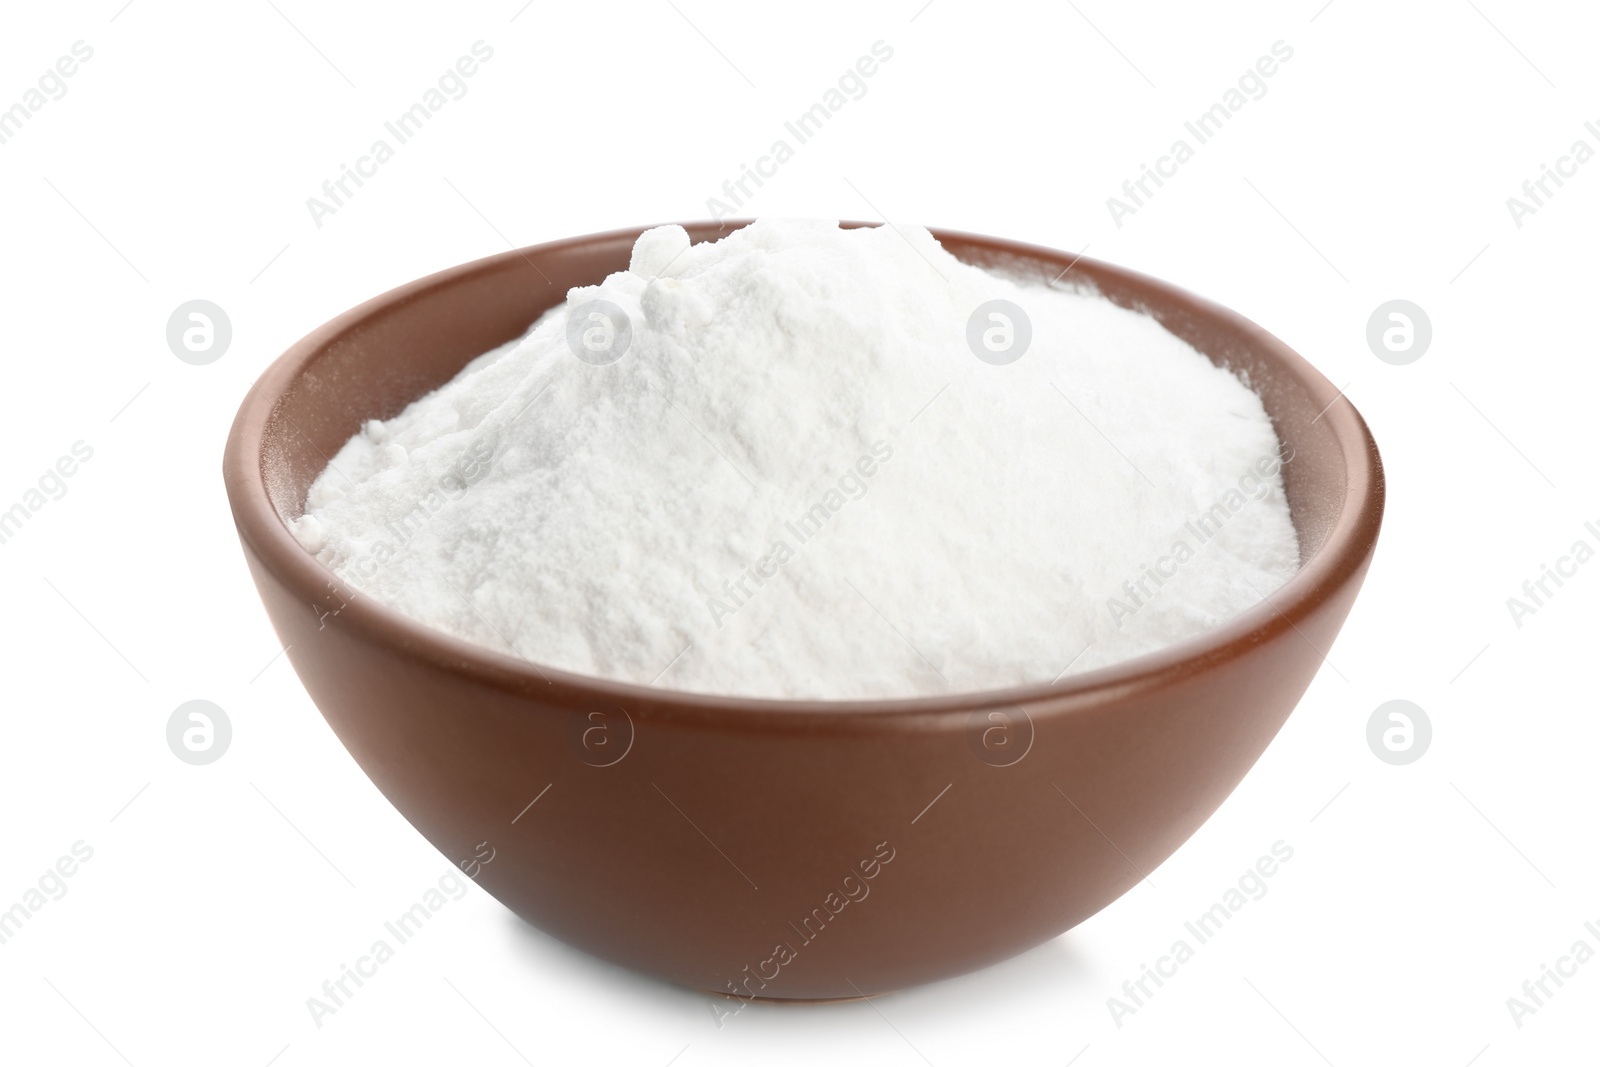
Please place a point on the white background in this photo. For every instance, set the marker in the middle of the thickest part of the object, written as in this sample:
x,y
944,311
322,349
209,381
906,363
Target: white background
x,y
219,898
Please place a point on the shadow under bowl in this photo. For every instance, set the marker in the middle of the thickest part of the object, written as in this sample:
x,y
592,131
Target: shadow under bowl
x,y
784,849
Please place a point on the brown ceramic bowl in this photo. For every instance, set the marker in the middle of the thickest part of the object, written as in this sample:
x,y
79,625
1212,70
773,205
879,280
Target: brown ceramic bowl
x,y
787,850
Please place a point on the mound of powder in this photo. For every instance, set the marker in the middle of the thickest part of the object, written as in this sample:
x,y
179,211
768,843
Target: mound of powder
x,y
807,462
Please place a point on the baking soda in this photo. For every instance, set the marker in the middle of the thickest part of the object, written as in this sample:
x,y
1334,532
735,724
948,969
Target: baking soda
x,y
809,462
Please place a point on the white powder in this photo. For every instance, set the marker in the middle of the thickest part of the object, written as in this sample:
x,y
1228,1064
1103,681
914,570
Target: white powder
x,y
800,481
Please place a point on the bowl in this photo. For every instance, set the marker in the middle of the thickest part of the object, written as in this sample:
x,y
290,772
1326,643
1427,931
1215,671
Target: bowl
x,y
784,850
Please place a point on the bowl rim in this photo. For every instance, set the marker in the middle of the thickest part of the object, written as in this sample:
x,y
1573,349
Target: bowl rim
x,y
1345,549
